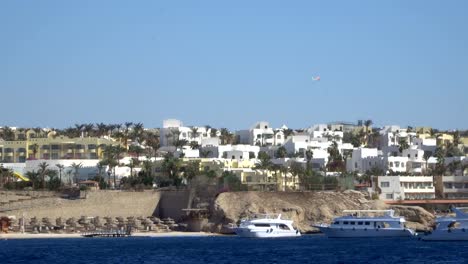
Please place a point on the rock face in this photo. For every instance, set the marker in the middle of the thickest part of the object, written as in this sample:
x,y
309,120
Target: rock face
x,y
416,217
304,208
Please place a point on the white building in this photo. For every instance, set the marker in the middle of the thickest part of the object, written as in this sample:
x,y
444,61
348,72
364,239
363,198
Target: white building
x,y
396,164
405,187
237,152
455,187
364,159
173,130
261,134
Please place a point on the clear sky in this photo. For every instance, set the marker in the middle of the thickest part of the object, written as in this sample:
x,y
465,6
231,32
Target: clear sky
x,y
232,63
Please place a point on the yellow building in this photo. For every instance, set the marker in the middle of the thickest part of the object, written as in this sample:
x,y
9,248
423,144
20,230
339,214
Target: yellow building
x,y
423,130
444,139
51,148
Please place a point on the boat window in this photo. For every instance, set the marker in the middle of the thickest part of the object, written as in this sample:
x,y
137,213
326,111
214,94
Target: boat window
x,y
284,227
367,223
336,223
345,222
359,223
352,223
262,225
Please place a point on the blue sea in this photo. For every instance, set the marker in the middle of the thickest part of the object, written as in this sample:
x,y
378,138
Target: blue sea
x,y
230,249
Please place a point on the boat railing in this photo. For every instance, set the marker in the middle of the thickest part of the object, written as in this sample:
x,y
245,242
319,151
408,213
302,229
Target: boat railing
x,y
263,216
359,213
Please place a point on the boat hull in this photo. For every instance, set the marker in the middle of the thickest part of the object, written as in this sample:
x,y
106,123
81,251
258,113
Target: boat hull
x,y
349,233
263,233
445,235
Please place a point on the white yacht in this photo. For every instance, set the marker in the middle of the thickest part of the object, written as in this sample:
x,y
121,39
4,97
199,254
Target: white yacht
x,y
450,228
367,223
266,225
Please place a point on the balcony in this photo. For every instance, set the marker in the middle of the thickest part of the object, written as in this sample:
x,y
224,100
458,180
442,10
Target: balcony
x,y
455,190
427,189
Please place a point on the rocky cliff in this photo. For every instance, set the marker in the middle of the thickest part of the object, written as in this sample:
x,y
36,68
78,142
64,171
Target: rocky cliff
x,y
305,208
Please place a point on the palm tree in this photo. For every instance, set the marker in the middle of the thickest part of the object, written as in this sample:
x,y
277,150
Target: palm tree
x,y
194,145
102,129
60,167
42,172
111,158
309,155
194,134
137,150
76,167
264,161
284,175
132,164
205,153
79,128
137,133
126,132
226,136
403,144
34,148
426,156
281,152
7,134
368,123
100,166
88,128
296,170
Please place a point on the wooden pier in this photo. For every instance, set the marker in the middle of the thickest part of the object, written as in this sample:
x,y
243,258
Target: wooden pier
x,y
107,233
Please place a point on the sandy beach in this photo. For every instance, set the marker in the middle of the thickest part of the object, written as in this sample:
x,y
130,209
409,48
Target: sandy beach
x,y
78,235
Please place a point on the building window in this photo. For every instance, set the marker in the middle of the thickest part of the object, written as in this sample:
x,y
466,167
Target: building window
x,y
390,164
55,147
55,156
389,196
385,184
248,179
416,155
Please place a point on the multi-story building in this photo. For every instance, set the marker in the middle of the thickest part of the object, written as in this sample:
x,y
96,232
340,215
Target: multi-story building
x,y
405,187
455,187
52,148
363,159
261,134
173,130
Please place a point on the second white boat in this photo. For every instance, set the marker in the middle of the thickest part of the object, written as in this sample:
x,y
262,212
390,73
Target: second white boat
x,y
367,223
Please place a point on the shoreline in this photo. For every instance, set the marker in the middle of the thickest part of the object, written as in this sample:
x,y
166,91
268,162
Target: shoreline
x,y
78,235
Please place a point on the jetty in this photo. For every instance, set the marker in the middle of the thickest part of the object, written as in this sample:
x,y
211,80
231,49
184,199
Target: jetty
x,y
108,233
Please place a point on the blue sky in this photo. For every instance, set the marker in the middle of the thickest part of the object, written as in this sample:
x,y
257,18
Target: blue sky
x,y
232,63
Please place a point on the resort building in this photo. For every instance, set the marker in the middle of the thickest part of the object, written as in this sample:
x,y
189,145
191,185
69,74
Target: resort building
x,y
405,187
455,187
52,148
173,132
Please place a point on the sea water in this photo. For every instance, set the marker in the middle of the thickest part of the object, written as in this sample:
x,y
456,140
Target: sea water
x,y
231,249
